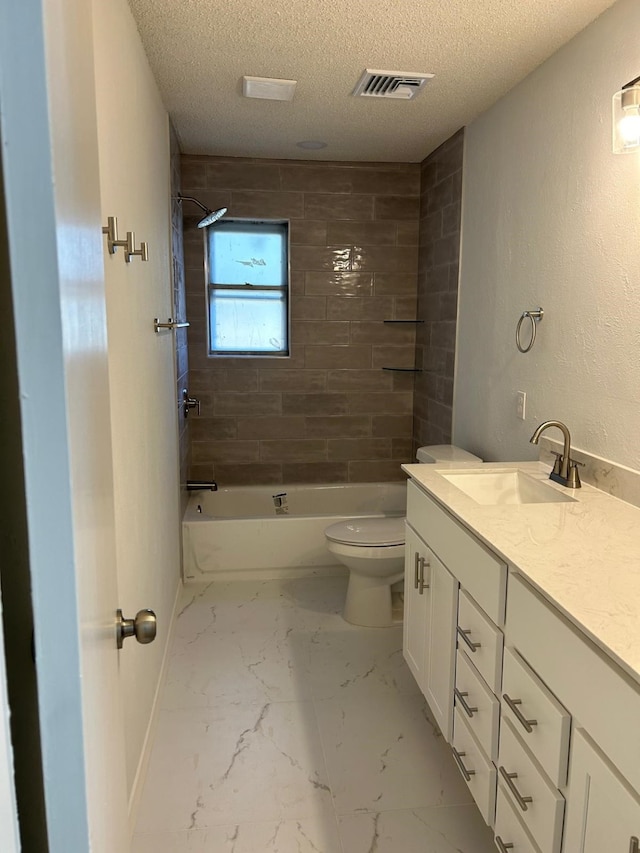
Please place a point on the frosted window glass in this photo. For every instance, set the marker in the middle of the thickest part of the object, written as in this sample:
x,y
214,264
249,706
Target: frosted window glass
x,y
248,253
248,287
250,322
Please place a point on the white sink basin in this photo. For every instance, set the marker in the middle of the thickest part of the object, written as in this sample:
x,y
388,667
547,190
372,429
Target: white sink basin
x,y
504,486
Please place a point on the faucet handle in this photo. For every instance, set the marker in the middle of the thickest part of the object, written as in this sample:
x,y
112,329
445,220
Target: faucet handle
x,y
573,478
557,465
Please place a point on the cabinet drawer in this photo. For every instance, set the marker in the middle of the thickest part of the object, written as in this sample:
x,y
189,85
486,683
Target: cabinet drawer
x,y
474,565
509,830
481,640
479,773
482,710
538,803
603,698
541,721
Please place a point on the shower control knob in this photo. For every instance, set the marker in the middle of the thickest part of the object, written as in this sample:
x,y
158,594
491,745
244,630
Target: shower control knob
x,y
143,627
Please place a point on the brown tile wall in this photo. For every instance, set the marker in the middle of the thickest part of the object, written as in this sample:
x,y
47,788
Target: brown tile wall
x,y
180,311
329,413
440,204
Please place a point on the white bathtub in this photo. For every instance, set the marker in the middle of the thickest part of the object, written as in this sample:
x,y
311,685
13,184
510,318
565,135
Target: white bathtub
x,y
239,533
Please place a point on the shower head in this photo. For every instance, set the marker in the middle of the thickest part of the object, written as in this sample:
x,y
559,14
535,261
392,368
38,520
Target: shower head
x,y
210,215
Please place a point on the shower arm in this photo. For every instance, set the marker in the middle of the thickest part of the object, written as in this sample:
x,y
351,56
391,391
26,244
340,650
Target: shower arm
x,y
210,216
182,198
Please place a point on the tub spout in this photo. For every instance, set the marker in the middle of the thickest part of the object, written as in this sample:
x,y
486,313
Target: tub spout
x,y
202,485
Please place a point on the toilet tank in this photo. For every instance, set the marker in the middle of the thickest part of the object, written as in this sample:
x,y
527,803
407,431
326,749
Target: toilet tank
x,y
444,453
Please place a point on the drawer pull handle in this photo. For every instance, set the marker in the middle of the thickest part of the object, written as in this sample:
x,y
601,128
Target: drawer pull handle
x,y
458,757
419,583
416,576
423,585
508,778
527,725
634,845
503,846
460,699
470,645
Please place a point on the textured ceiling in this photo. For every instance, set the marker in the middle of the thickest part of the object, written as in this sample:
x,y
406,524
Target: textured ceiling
x,y
478,49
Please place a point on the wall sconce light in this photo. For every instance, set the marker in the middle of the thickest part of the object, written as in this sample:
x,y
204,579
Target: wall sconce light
x,y
626,118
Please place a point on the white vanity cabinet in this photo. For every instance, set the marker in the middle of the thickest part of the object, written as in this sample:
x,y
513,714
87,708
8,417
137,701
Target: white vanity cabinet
x,y
544,725
602,803
446,567
431,603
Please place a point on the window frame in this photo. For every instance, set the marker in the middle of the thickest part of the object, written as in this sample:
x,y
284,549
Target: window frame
x,y
285,289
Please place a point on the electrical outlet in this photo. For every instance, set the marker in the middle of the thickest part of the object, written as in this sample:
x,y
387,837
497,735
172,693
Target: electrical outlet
x,y
521,402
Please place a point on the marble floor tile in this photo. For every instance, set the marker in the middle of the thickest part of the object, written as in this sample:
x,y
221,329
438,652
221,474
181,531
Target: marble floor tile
x,y
308,835
201,618
385,752
448,829
308,604
284,729
250,666
351,664
233,764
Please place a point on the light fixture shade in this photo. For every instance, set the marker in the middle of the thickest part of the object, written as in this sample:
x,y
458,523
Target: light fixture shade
x,y
626,120
269,88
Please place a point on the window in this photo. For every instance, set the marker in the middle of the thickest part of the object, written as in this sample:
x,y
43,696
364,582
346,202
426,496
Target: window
x,y
248,288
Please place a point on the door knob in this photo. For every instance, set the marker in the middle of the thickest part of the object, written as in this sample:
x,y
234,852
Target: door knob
x,y
143,627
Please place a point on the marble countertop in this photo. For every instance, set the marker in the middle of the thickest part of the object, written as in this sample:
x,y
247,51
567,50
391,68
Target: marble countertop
x,y
583,556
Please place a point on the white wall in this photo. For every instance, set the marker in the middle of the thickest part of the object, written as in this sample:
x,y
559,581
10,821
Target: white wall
x,y
551,217
133,141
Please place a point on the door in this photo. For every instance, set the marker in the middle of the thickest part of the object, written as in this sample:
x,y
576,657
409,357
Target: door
x,y
133,155
441,646
50,170
416,605
603,813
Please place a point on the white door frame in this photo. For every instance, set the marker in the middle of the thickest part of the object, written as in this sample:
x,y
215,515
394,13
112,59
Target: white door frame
x,y
9,839
31,222
49,137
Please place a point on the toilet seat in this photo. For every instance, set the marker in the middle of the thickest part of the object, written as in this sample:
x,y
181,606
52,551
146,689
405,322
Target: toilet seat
x,y
380,532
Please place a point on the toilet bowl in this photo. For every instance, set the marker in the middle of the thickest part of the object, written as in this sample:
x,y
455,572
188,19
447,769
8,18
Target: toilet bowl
x,y
373,550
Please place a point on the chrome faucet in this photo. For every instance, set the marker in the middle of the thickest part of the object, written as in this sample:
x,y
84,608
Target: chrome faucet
x,y
565,469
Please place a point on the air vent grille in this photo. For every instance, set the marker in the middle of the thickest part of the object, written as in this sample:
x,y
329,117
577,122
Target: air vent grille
x,y
390,84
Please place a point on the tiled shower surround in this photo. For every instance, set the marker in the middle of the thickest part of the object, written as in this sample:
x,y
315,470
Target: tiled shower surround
x,y
440,204
329,413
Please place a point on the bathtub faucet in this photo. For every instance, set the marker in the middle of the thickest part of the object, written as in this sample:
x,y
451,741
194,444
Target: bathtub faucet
x,y
202,485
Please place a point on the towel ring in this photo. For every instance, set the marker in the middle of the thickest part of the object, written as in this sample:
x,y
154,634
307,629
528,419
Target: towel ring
x,y
534,316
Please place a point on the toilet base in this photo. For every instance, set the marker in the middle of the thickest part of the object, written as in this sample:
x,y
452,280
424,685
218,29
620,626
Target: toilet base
x,y
368,602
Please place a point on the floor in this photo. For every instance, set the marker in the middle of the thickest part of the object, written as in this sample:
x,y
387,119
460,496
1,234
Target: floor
x,y
283,728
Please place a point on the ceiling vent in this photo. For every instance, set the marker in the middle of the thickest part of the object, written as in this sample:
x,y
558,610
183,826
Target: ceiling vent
x,y
390,84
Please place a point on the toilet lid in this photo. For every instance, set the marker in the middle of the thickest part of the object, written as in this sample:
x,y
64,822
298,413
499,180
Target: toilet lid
x,y
368,531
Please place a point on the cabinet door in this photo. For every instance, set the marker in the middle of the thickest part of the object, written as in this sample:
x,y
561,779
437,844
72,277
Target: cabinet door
x,y
603,813
441,645
416,605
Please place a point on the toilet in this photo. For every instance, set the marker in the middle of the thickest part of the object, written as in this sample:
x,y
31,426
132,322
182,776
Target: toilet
x,y
372,548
